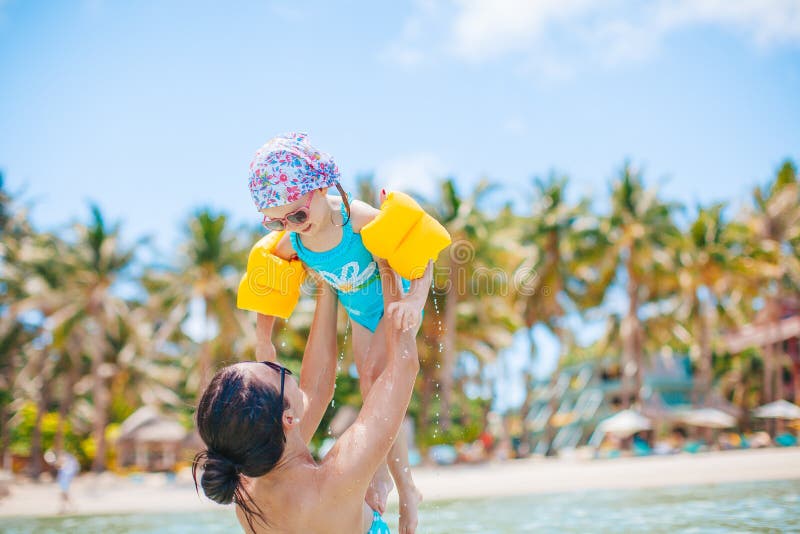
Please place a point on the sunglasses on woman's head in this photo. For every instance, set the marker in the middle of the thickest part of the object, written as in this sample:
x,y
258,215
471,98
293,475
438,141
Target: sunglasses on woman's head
x,y
298,216
279,369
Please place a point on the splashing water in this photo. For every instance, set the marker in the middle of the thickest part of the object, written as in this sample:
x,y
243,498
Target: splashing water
x,y
440,350
344,343
284,330
340,359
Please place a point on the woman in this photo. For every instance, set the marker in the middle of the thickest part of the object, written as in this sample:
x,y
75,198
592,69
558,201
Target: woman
x,y
257,422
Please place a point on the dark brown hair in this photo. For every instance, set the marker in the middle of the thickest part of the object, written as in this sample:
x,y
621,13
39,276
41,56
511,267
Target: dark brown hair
x,y
240,420
345,201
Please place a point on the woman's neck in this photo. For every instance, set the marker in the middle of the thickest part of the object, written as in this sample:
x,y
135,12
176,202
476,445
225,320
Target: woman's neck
x,y
296,451
274,493
296,458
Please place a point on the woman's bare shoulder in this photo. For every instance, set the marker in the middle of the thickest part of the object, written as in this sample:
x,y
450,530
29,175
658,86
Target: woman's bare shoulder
x,y
301,495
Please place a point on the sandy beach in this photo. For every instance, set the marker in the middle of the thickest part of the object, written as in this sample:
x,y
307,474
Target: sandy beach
x,y
108,493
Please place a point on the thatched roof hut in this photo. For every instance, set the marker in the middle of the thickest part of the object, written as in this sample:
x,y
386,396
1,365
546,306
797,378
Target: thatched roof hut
x,y
150,441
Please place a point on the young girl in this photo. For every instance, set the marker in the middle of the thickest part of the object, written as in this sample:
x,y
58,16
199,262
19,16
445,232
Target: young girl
x,y
338,239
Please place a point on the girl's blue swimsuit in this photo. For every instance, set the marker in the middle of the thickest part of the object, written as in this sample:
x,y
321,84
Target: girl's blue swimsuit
x,y
351,270
378,526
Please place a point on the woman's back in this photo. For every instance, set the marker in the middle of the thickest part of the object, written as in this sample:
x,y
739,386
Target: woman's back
x,y
306,498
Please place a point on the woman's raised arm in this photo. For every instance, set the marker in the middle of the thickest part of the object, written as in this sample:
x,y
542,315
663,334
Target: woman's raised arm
x,y
318,371
363,447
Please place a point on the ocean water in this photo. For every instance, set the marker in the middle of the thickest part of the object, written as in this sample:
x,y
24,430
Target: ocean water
x,y
747,507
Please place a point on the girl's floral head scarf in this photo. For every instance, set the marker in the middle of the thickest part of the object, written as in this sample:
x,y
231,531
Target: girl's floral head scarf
x,y
286,168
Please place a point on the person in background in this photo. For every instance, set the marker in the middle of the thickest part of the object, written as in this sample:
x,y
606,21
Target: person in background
x,y
67,467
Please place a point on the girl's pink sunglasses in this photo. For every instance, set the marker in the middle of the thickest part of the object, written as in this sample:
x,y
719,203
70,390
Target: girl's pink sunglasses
x,y
298,216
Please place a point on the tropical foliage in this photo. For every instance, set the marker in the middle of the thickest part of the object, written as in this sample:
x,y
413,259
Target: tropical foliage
x,y
89,331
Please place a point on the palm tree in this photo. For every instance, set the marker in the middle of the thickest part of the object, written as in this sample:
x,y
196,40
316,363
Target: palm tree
x,y
42,259
206,272
15,230
98,261
740,379
774,224
561,247
73,287
28,262
705,272
639,229
467,311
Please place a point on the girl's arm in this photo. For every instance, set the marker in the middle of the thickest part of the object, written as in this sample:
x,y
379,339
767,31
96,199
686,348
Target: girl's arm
x,y
318,371
363,447
265,349
407,312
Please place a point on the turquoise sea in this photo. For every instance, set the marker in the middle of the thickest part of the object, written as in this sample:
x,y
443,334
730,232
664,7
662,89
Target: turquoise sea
x,y
748,507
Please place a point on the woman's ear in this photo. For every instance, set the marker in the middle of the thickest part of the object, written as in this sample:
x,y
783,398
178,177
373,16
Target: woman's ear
x,y
290,419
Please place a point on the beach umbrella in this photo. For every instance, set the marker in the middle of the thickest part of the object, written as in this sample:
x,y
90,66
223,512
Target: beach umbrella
x,y
780,409
624,424
708,418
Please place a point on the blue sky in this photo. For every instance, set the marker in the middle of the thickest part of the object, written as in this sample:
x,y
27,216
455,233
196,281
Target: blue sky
x,y
154,108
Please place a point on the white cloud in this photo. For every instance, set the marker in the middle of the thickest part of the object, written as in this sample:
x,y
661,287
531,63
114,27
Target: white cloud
x,y
555,38
487,28
765,22
417,173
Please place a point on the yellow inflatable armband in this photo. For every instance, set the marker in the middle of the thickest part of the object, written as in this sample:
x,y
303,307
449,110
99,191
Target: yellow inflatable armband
x,y
271,285
404,235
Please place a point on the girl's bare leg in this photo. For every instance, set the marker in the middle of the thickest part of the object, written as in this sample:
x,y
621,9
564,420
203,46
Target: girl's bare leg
x,y
368,370
370,359
409,495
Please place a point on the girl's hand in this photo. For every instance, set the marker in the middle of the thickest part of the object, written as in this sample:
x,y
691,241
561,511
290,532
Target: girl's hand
x,y
403,315
265,352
